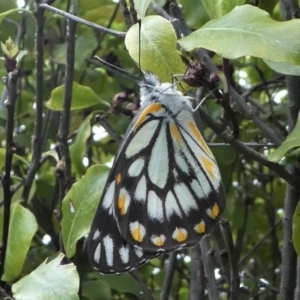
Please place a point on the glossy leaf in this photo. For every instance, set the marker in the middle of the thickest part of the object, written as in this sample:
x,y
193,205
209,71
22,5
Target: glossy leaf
x,y
82,97
157,53
96,289
78,148
260,35
50,281
141,7
219,8
292,141
16,158
283,68
22,228
79,206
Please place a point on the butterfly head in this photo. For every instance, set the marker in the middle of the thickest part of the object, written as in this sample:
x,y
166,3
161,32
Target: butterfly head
x,y
153,90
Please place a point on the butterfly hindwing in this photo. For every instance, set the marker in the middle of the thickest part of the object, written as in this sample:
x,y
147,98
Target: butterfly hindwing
x,y
108,252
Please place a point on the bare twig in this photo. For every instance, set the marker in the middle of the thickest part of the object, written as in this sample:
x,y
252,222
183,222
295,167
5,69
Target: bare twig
x,y
197,285
126,13
136,275
234,273
82,21
238,145
255,118
12,95
38,124
64,167
209,267
167,284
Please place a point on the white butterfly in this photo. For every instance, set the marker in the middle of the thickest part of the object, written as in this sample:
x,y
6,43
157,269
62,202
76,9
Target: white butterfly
x,y
164,189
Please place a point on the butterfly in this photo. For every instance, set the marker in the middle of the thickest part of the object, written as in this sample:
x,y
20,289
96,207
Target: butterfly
x,y
164,189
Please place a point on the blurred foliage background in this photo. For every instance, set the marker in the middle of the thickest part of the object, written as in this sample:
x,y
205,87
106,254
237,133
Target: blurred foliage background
x,y
49,216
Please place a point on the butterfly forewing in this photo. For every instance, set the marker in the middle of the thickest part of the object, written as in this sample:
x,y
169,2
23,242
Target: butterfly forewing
x,y
169,193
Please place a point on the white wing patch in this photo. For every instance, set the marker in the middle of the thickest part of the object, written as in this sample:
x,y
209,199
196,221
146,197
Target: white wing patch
x,y
185,198
96,234
109,250
141,139
97,253
198,189
141,190
109,195
136,167
124,254
155,207
171,206
158,168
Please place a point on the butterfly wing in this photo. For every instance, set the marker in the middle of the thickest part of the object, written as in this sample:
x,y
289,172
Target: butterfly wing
x,y
107,250
168,186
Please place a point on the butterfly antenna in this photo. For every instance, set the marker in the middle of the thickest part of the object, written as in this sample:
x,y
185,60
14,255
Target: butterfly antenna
x,y
114,68
203,99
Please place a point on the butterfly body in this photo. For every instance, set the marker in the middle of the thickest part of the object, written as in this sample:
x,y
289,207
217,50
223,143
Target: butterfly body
x,y
164,190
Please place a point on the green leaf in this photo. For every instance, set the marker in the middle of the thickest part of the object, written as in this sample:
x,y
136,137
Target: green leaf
x,y
283,68
123,283
15,158
157,53
83,48
82,97
296,229
141,7
260,35
78,148
79,205
22,228
219,8
96,289
49,281
7,13
292,141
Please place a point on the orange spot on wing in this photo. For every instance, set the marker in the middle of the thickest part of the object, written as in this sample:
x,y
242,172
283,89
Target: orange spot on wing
x,y
118,178
208,166
214,212
216,209
158,241
153,108
181,235
198,137
121,204
175,133
136,234
200,227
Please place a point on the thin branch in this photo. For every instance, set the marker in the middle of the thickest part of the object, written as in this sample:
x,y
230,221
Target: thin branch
x,y
255,118
239,146
234,273
38,124
209,268
262,283
126,13
148,294
167,284
197,285
222,252
64,166
248,254
10,148
82,21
